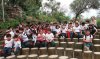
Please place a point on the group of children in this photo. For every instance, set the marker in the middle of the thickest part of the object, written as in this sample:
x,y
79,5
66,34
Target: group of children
x,y
43,35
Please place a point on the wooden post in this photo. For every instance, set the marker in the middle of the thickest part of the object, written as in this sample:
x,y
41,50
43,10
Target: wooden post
x,y
96,55
98,33
53,57
78,53
57,43
33,56
70,45
81,40
87,55
98,30
63,44
25,51
97,37
96,41
56,39
68,39
22,57
63,57
51,51
69,52
75,40
96,47
73,58
61,40
43,57
42,51
79,45
60,51
34,51
11,57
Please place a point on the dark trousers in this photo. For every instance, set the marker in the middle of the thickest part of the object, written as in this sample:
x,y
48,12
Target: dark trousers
x,y
26,44
63,34
7,51
51,44
71,35
17,51
79,35
40,44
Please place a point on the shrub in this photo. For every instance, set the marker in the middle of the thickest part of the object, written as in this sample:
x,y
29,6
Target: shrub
x,y
98,23
10,23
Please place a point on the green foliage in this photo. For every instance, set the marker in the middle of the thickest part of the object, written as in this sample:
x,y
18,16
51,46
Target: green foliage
x,y
45,18
60,17
10,23
98,22
31,7
26,7
55,17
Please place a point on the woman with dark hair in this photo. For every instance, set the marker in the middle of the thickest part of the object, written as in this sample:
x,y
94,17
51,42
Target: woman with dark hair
x,y
92,29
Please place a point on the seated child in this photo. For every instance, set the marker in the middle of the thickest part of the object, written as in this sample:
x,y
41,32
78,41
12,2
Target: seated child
x,y
70,31
28,31
8,45
50,38
83,27
58,31
87,39
40,39
63,32
17,44
24,38
34,38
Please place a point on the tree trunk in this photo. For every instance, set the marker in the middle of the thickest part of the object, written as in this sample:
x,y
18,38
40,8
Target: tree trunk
x,y
77,15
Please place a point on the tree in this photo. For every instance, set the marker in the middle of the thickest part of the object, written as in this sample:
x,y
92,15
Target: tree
x,y
51,6
52,9
31,7
16,8
79,6
60,16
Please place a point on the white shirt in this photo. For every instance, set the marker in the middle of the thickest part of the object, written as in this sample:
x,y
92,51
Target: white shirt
x,y
49,37
53,28
58,30
34,38
88,38
77,29
24,37
64,30
17,44
12,34
69,29
8,43
66,26
28,31
83,27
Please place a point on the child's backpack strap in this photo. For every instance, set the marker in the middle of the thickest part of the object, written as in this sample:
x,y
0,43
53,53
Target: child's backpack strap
x,y
85,37
90,36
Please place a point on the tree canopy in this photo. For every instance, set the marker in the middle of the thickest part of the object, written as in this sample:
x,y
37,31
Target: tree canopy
x,y
79,6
